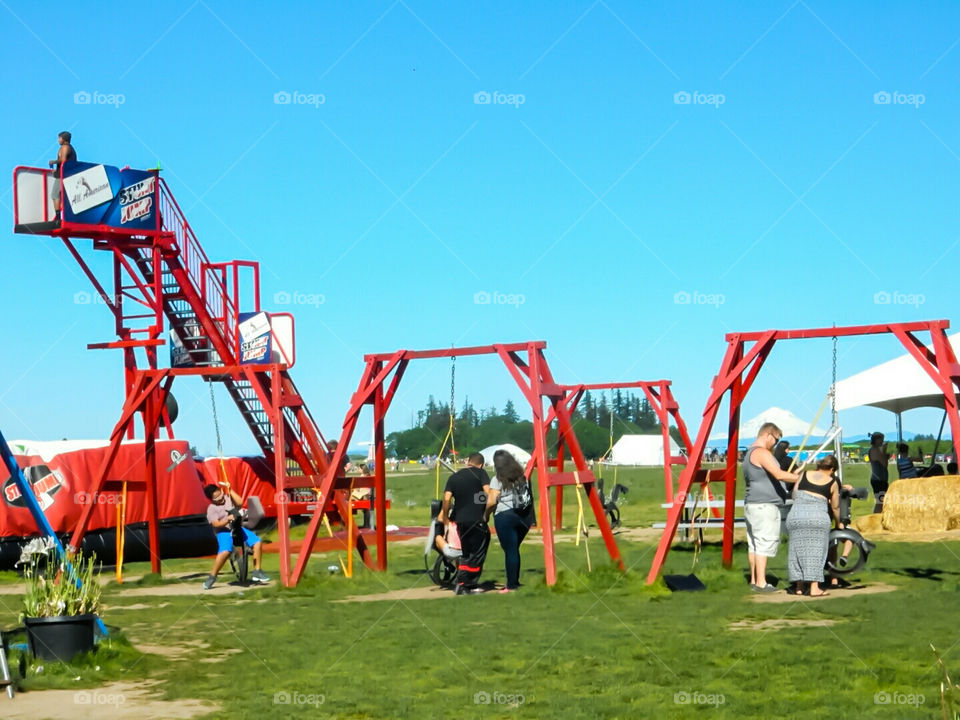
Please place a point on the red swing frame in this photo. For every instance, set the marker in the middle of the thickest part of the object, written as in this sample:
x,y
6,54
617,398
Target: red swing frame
x,y
739,369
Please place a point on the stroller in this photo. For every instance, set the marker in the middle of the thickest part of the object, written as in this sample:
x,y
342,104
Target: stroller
x,y
441,566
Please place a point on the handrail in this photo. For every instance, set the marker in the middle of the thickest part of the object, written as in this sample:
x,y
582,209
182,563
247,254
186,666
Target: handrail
x,y
212,289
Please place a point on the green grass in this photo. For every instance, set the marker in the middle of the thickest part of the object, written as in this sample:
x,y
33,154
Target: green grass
x,y
599,645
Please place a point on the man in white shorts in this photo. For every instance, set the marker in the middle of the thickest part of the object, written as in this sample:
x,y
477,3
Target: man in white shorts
x,y
762,501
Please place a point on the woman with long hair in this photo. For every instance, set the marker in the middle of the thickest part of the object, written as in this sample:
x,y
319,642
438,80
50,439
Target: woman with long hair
x,y
513,514
815,499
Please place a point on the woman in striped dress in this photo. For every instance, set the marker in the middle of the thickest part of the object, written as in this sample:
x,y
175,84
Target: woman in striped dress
x,y
815,499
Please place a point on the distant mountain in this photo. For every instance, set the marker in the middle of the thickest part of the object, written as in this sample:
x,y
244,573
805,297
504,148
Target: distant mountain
x,y
789,424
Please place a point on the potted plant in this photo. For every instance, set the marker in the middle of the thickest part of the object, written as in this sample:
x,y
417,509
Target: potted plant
x,y
61,603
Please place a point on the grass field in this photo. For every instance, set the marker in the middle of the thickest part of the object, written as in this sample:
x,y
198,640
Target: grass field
x,y
596,645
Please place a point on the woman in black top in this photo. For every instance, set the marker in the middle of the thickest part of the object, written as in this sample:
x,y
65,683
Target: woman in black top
x,y
815,500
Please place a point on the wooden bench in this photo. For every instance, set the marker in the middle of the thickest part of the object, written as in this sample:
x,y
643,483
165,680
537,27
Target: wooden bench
x,y
688,523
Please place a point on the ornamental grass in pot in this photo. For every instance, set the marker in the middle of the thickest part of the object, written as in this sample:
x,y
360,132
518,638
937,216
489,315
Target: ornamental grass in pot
x,y
61,604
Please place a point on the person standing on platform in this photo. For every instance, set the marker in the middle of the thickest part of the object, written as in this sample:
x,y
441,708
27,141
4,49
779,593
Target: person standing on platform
x,y
65,154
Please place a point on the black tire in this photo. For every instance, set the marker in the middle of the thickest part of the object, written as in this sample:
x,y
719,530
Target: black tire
x,y
444,572
860,551
243,564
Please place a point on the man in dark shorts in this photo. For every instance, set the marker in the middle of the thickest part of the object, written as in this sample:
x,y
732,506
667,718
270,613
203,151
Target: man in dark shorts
x,y
65,154
469,490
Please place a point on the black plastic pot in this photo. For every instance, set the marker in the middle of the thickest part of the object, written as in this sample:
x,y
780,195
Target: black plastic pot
x,y
60,638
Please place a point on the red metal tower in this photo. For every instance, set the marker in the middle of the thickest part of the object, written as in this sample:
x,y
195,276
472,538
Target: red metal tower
x,y
160,271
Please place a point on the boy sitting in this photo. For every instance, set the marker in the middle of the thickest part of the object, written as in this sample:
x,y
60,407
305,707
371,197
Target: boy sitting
x,y
218,515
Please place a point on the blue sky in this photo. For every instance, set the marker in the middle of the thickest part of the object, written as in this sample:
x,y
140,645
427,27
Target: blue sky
x,y
785,193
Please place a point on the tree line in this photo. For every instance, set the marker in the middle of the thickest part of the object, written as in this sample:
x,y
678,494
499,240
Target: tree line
x,y
474,429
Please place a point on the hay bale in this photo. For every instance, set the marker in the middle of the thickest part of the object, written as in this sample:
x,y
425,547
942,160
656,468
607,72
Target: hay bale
x,y
923,504
868,524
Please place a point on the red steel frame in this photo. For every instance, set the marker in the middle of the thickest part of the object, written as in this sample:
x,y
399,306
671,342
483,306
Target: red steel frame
x,y
739,369
661,401
172,248
378,387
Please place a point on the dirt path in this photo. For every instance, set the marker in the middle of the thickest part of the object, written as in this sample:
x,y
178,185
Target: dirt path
x,y
427,592
854,591
116,701
780,624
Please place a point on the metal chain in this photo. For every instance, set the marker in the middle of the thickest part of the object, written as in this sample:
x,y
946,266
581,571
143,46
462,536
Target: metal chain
x,y
216,423
833,385
453,371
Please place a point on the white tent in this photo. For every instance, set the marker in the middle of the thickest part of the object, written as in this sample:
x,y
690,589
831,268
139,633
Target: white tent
x,y
521,455
641,450
897,385
789,424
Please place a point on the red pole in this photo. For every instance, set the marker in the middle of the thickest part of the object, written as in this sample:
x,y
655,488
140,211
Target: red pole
x,y
730,479
380,478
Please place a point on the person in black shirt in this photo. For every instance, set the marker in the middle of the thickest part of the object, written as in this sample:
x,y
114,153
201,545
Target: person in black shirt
x,y
469,491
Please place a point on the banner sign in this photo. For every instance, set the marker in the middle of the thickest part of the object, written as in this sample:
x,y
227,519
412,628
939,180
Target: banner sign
x,y
256,345
179,357
105,195
63,484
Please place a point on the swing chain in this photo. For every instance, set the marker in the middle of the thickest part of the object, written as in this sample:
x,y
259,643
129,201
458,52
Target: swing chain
x,y
833,385
216,422
453,371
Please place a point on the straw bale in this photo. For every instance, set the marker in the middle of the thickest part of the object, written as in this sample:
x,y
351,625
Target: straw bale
x,y
868,524
923,504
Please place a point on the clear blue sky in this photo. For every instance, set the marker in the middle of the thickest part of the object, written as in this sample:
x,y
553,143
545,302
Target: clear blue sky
x,y
598,198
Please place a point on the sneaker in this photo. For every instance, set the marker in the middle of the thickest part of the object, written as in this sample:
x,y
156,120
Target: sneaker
x,y
504,591
208,583
768,588
260,576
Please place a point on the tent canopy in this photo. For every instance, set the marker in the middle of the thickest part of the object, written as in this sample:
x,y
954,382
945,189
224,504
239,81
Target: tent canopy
x,y
521,455
897,385
641,450
790,424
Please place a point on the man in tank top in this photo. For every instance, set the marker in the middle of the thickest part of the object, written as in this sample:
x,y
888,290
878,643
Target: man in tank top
x,y
66,153
762,500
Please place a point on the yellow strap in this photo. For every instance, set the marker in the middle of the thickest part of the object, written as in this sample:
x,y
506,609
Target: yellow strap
x,y
348,572
121,530
581,525
803,444
443,447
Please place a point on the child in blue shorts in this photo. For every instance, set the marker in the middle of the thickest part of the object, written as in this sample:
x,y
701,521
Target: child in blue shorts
x,y
218,515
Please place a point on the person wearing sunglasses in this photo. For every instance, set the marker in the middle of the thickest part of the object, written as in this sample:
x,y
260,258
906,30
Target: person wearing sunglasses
x,y
762,501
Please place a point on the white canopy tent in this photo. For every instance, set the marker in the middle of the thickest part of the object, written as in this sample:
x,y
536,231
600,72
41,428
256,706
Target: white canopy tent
x,y
521,455
789,424
897,385
641,450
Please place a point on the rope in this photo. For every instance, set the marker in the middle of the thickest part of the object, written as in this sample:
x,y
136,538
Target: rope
x,y
813,424
121,530
581,524
833,385
449,436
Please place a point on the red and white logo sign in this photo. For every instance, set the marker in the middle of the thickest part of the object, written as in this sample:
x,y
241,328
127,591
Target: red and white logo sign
x,y
139,190
135,210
